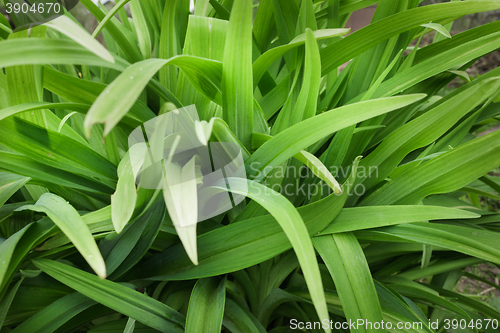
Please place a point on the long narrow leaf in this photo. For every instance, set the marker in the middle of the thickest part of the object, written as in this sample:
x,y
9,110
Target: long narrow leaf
x,y
71,223
118,297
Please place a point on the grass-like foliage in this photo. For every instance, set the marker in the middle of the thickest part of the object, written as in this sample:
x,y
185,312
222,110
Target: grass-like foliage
x,y
363,190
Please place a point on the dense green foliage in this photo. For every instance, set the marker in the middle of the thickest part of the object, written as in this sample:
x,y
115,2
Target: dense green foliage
x,y
399,164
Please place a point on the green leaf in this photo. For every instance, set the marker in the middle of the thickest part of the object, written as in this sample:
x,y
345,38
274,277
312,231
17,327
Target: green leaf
x,y
319,169
265,60
109,16
275,298
130,327
293,226
83,91
6,301
129,48
118,326
153,218
222,133
445,173
220,251
477,243
264,24
41,51
169,43
118,97
142,28
5,26
24,83
347,264
305,105
262,240
311,161
398,306
45,175
250,70
7,248
237,83
55,149
344,50
56,314
205,38
419,292
423,130
286,16
389,315
439,63
438,27
66,26
463,74
239,319
206,306
124,199
181,197
220,9
97,221
64,120
360,218
202,8
488,311
116,296
34,235
70,222
9,184
298,137
123,251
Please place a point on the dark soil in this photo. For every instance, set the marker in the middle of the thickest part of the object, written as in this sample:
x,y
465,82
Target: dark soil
x,y
478,289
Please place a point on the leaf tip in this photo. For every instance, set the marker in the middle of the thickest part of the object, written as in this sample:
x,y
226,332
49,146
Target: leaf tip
x,y
193,256
100,269
108,57
418,97
87,127
108,127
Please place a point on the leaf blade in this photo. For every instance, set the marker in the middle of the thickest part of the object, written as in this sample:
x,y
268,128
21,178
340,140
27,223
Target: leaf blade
x,y
71,223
